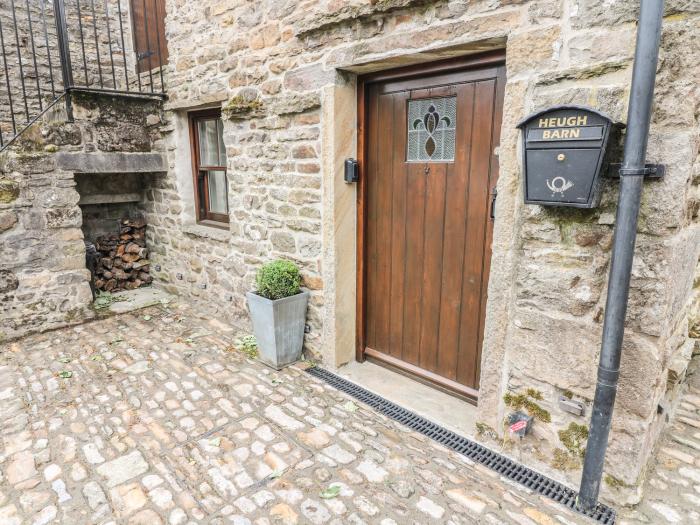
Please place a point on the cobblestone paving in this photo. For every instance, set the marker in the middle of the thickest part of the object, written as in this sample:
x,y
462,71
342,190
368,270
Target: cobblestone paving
x,y
673,488
149,418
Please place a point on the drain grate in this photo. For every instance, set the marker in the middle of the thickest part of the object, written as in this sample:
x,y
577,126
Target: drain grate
x,y
504,466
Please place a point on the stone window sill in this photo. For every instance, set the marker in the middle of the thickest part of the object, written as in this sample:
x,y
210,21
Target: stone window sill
x,y
207,231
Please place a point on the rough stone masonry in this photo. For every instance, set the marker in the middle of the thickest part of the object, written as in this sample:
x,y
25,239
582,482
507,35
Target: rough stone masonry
x,y
284,73
44,282
152,417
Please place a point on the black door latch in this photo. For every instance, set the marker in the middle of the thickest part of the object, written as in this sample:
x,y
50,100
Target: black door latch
x,y
145,54
352,171
494,194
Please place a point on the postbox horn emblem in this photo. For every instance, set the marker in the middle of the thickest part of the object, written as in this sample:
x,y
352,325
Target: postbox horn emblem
x,y
559,185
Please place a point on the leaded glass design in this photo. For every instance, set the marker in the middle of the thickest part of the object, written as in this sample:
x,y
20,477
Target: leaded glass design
x,y
431,129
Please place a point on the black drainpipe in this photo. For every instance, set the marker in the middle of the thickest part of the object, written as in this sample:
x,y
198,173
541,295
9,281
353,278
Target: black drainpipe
x,y
631,178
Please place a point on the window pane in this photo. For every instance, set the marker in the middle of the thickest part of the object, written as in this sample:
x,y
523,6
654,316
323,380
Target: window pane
x,y
208,143
218,202
222,147
202,200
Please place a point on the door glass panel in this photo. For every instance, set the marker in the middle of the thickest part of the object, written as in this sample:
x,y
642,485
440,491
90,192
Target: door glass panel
x,y
431,129
217,192
208,143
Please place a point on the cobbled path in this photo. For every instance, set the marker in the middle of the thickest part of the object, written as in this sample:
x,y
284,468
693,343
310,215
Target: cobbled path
x,y
151,418
672,491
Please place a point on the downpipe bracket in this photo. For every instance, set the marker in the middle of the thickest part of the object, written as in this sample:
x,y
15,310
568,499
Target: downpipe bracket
x,y
649,171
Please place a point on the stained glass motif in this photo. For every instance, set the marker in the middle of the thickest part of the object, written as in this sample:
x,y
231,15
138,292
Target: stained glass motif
x,y
431,129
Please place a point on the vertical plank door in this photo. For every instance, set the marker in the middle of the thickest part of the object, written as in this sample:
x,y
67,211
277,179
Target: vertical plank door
x,y
148,19
430,174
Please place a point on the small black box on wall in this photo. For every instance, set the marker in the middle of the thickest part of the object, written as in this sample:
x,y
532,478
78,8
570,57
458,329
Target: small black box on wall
x,y
352,171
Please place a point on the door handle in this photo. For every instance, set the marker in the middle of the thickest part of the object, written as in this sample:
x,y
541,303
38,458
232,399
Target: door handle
x,y
494,194
144,55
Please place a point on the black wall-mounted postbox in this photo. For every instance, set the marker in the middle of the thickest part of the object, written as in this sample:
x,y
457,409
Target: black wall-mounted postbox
x,y
565,148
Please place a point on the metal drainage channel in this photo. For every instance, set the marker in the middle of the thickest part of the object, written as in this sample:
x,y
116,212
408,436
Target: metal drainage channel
x,y
504,466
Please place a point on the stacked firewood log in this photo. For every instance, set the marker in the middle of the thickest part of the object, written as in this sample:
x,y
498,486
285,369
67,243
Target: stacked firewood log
x,y
122,260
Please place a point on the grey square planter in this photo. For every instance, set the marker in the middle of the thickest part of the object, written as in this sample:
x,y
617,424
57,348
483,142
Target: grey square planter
x,y
278,327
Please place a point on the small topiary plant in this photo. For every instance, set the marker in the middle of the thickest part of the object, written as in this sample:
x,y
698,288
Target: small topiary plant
x,y
278,279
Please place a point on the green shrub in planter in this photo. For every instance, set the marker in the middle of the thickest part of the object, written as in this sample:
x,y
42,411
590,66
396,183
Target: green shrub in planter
x,y
278,312
278,279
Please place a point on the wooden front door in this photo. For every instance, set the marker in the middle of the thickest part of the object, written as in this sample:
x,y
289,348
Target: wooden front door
x,y
426,219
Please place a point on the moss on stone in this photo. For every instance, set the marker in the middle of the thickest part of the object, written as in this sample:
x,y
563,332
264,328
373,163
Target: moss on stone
x,y
613,482
524,401
482,429
30,140
9,191
562,460
242,106
74,314
87,97
676,17
694,328
534,394
568,394
538,412
512,400
351,13
567,218
573,438
108,102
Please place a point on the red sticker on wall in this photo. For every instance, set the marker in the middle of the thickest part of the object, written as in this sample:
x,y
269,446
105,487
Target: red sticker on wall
x,y
519,425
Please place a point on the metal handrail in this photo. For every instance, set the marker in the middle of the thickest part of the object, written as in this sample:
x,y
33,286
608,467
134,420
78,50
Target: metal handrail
x,y
81,38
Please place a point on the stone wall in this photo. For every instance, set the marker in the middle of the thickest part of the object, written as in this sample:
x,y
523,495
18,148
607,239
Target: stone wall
x,y
43,280
560,260
285,71
275,213
35,68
